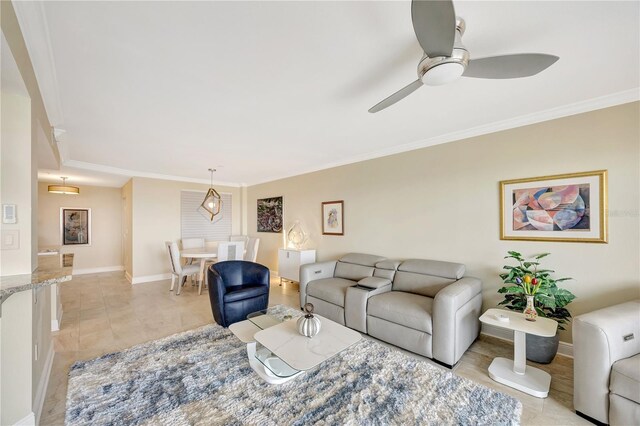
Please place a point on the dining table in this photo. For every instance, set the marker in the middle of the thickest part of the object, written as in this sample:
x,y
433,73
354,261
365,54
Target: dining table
x,y
202,254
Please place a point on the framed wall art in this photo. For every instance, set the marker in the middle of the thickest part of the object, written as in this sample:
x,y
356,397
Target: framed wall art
x,y
570,207
75,226
270,214
333,218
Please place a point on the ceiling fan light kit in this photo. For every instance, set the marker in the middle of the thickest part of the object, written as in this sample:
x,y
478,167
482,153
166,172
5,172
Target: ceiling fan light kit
x,y
444,73
445,69
445,59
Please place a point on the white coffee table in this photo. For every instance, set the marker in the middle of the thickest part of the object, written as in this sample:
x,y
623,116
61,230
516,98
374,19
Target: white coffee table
x,y
516,373
278,353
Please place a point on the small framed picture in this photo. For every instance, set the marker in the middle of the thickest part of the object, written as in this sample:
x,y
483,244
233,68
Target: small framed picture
x,y
333,218
570,207
75,226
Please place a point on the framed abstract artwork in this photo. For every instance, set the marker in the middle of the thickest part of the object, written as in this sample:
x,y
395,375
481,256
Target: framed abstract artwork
x,y
270,214
75,226
570,208
333,218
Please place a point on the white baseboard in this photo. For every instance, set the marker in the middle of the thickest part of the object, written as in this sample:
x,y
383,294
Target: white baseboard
x,y
98,270
149,278
564,349
41,391
128,276
28,420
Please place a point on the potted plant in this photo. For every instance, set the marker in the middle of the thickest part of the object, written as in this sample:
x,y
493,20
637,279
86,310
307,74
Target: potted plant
x,y
526,281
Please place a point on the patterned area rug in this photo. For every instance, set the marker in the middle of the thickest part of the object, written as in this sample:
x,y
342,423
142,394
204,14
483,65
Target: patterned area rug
x,y
203,377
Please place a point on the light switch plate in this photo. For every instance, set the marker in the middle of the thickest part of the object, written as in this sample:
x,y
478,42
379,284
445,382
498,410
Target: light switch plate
x,y
9,213
10,239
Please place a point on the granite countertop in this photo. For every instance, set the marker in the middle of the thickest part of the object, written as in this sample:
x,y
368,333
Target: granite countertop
x,y
50,270
48,250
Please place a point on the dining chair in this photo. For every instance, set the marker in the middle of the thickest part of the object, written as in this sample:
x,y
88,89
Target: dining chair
x,y
232,250
178,270
192,243
243,238
189,243
252,249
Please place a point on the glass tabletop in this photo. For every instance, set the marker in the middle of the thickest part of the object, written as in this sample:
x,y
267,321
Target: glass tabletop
x,y
263,319
273,365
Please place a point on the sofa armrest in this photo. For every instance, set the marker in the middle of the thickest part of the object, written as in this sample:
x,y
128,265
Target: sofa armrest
x,y
314,271
601,338
355,304
217,290
374,282
455,316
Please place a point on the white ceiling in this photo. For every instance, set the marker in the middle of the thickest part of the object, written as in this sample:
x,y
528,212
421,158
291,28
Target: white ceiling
x,y
272,89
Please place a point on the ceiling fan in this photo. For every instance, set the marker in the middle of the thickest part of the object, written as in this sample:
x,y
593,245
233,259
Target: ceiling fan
x,y
445,59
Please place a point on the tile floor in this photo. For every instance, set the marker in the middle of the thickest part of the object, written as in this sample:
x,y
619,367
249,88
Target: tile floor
x,y
103,313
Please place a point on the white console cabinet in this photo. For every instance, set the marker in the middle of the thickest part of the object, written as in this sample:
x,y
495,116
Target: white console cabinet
x,y
290,260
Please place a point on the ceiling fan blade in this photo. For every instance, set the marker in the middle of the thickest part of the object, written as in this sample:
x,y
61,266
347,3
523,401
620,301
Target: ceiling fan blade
x,y
434,22
509,66
400,94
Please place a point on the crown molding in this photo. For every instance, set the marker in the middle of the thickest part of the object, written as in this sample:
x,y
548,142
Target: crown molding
x,y
136,173
35,31
619,98
607,101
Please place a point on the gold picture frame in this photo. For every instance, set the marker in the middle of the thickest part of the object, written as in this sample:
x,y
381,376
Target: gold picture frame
x,y
568,207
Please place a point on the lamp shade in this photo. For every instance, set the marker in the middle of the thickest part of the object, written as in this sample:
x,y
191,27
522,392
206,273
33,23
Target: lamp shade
x,y
64,188
212,203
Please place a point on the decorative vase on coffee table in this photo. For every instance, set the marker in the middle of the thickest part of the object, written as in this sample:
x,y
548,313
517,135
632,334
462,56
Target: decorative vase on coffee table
x,y
309,325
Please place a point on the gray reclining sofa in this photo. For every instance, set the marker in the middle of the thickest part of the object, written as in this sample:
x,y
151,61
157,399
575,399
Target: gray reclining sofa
x,y
424,306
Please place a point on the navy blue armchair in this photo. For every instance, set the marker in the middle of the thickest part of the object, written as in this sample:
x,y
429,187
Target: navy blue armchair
x,y
237,288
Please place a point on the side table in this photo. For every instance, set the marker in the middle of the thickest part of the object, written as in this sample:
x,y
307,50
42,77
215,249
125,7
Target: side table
x,y
290,260
516,373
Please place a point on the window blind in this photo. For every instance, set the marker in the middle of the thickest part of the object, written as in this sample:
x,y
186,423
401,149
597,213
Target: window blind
x,y
194,225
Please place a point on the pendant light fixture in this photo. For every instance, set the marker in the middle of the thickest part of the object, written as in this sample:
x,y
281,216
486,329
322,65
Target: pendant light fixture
x,y
64,188
212,204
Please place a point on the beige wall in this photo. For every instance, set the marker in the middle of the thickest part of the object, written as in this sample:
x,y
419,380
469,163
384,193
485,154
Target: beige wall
x,y
442,202
127,230
40,127
106,225
23,324
156,219
16,158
